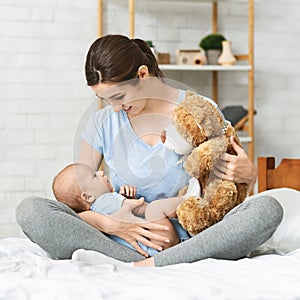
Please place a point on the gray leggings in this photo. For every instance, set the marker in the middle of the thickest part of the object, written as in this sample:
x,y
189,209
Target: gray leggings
x,y
60,231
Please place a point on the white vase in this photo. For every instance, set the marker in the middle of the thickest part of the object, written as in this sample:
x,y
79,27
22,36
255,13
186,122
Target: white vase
x,y
226,58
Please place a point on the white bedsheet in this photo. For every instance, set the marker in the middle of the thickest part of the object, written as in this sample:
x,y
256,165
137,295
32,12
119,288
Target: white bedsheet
x,y
26,272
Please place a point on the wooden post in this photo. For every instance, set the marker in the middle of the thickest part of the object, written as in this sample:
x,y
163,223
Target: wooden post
x,y
100,17
264,164
215,30
251,79
215,17
131,18
215,86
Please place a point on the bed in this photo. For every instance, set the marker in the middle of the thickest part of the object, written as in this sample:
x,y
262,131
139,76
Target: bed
x,y
27,271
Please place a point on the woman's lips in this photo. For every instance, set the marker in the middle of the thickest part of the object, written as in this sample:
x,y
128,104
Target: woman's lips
x,y
127,109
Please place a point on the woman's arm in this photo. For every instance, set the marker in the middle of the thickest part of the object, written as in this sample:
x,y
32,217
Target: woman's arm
x,y
238,168
89,156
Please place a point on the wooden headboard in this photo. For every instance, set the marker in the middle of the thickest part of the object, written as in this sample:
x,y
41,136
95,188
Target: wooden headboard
x,y
287,174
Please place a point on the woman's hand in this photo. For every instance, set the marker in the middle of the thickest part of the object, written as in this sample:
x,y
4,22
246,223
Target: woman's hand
x,y
135,229
138,230
128,227
237,168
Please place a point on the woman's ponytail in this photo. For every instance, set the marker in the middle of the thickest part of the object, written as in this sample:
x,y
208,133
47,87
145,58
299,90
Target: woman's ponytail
x,y
152,62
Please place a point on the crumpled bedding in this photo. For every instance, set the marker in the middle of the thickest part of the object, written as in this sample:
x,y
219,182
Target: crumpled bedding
x,y
27,272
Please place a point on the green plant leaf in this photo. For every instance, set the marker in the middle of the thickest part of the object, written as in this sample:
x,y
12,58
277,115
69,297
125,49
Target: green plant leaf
x,y
212,41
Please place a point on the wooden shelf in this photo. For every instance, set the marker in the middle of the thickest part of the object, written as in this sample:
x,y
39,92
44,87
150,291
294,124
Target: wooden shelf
x,y
204,68
182,1
245,139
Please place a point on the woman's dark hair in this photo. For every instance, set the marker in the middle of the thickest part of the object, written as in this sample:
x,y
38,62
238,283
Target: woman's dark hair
x,y
116,58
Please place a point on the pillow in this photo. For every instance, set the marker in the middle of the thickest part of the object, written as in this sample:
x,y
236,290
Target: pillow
x,y
286,238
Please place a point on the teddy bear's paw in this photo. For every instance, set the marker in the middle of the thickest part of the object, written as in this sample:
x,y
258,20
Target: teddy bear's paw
x,y
222,197
194,188
242,190
193,214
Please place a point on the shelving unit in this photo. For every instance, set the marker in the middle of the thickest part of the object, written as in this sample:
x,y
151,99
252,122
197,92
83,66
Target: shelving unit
x,y
204,68
248,128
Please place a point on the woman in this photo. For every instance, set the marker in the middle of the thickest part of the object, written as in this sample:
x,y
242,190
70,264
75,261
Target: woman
x,y
124,73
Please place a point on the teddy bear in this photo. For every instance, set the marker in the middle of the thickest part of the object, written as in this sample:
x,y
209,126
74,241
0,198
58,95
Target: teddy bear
x,y
200,133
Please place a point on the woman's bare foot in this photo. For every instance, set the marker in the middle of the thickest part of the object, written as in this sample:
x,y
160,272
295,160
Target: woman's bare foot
x,y
149,262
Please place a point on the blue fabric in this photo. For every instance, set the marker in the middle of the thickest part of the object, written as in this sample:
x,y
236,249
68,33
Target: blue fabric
x,y
107,203
154,170
182,233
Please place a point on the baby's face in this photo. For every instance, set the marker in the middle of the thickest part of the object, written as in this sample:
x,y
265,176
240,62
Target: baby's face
x,y
94,182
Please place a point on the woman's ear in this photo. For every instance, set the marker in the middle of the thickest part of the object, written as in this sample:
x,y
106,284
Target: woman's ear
x,y
143,71
87,197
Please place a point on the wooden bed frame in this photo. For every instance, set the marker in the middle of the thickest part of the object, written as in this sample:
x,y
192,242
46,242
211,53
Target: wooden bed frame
x,y
287,173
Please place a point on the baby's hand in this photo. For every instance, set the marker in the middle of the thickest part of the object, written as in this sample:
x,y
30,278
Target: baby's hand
x,y
128,191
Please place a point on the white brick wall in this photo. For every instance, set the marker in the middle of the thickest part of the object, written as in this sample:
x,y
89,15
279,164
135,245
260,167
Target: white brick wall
x,y
43,92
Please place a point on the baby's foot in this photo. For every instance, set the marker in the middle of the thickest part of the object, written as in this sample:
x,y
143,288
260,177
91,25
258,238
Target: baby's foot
x,y
194,188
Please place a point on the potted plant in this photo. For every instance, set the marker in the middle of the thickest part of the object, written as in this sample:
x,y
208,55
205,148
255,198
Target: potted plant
x,y
152,47
212,45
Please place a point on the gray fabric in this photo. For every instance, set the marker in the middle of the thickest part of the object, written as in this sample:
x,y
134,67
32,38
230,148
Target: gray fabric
x,y
60,231
243,229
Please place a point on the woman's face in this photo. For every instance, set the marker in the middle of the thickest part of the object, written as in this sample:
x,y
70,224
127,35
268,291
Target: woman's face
x,y
129,97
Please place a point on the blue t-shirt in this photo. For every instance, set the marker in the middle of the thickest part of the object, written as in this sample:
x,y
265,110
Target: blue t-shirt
x,y
156,171
108,203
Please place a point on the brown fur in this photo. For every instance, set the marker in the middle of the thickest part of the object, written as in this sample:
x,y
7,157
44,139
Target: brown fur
x,y
219,196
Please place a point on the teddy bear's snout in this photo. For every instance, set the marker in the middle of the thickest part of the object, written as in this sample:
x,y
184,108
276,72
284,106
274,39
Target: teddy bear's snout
x,y
174,141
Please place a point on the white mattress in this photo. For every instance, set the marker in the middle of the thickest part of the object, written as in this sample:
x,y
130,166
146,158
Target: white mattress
x,y
26,272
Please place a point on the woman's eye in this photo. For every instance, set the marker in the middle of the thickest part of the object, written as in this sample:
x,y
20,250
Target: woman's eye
x,y
119,97
101,98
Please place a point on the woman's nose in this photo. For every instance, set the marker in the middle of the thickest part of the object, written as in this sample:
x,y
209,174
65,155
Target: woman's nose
x,y
118,107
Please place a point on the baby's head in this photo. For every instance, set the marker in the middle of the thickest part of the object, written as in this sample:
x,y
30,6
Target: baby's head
x,y
78,186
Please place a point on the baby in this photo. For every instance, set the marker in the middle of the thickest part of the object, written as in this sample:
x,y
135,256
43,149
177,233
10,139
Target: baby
x,y
81,188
